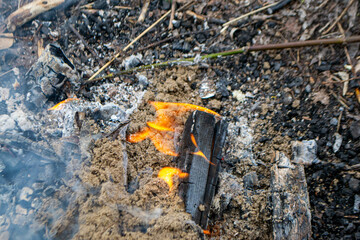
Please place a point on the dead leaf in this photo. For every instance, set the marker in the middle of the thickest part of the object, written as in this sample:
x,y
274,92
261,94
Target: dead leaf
x,y
322,97
6,40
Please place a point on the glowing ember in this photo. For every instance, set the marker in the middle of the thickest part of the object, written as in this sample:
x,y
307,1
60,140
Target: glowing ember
x,y
199,153
61,104
161,131
167,174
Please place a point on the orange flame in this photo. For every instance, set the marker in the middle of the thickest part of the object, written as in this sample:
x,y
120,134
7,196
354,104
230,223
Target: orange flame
x,y
199,152
207,232
161,130
61,104
167,174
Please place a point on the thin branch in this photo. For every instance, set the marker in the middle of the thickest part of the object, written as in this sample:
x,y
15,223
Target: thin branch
x,y
136,39
129,45
339,17
143,11
172,16
237,51
249,14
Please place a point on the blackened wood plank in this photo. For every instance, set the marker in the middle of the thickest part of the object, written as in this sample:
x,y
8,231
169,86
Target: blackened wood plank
x,y
199,189
218,143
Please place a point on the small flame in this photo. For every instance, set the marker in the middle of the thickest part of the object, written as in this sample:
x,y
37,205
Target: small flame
x,y
159,127
182,106
61,104
199,152
161,130
207,232
139,136
167,174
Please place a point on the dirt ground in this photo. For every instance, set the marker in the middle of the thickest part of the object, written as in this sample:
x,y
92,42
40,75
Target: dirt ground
x,y
269,98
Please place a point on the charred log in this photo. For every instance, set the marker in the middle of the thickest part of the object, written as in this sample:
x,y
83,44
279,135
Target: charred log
x,y
290,199
199,189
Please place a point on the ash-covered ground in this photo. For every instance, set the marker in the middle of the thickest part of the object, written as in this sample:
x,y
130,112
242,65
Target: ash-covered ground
x,y
71,174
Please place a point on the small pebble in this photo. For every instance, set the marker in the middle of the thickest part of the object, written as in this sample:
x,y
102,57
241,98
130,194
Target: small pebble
x,y
334,122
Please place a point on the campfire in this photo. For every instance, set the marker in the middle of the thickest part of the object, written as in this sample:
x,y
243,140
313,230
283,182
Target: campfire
x,y
179,119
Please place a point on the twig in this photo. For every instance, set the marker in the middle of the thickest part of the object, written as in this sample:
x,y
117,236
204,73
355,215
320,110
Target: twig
x,y
123,7
137,38
249,14
95,55
239,50
143,11
30,11
193,14
171,38
172,16
129,45
339,121
339,17
339,99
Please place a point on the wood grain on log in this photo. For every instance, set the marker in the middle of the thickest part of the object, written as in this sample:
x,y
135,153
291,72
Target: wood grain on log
x,y
30,11
290,200
199,189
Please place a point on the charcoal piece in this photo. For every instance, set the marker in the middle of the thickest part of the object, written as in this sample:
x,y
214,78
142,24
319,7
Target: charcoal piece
x,y
290,200
199,189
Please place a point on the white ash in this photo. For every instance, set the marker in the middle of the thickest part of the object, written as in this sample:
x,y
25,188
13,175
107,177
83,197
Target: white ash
x,y
240,135
4,94
7,123
20,117
25,194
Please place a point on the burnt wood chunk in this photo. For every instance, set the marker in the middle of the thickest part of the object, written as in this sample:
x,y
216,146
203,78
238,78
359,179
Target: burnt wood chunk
x,y
199,189
290,200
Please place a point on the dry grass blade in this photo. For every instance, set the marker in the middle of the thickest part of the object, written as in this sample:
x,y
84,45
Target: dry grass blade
x,y
339,17
249,14
129,45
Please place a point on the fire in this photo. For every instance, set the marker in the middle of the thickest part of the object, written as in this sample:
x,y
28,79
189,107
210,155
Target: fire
x,y
167,174
207,232
61,104
161,130
199,152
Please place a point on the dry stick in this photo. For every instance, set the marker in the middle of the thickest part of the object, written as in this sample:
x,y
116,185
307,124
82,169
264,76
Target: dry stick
x,y
30,11
172,16
129,45
339,17
171,38
143,11
253,48
95,55
237,51
137,38
249,14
